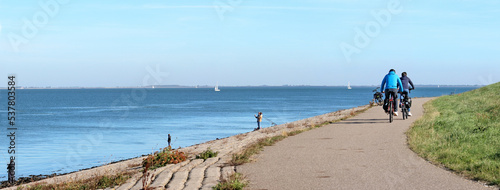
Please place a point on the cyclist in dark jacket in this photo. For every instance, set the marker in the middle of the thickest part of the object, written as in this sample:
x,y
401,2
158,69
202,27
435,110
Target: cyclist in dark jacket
x,y
406,87
390,85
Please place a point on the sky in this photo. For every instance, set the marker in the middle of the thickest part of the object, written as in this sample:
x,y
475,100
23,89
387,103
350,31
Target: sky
x,y
65,43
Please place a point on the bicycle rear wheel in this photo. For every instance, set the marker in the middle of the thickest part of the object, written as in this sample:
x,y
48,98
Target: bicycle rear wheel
x,y
404,112
391,111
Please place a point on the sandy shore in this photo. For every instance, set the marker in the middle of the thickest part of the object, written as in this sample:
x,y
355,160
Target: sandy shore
x,y
196,173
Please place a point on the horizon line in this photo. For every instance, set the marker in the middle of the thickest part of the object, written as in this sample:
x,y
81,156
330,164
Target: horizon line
x,y
212,86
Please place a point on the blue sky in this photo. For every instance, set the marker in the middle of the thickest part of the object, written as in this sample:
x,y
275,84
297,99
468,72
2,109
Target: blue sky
x,y
246,42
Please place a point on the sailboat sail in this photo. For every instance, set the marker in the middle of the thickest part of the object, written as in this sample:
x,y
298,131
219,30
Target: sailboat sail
x,y
216,89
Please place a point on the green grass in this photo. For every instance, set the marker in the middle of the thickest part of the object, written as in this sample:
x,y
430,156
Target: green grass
x,y
209,153
100,182
235,182
255,148
462,133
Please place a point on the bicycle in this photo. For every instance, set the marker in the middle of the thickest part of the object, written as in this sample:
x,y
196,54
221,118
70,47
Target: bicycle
x,y
377,97
405,104
404,109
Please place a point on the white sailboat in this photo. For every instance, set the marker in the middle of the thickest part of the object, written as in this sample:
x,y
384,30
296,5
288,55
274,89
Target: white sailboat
x,y
349,86
216,89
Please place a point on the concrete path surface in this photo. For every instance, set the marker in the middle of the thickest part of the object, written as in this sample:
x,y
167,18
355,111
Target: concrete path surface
x,y
363,152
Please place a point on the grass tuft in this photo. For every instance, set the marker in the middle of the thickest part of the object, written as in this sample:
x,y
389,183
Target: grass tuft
x,y
209,153
235,182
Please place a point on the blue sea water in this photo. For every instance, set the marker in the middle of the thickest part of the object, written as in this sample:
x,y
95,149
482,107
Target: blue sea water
x,y
66,130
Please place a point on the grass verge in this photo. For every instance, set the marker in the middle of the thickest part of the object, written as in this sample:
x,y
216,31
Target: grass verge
x,y
462,133
100,182
255,148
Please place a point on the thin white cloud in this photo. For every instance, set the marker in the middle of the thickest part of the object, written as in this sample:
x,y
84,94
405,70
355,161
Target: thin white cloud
x,y
294,8
152,6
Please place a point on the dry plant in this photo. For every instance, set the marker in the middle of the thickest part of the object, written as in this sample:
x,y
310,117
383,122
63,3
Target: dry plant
x,y
241,136
268,130
133,165
311,124
284,133
146,176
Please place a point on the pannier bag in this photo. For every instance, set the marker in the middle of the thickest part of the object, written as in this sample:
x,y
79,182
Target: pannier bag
x,y
408,103
386,104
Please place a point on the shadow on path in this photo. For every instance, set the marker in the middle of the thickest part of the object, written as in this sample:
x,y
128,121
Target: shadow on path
x,y
362,121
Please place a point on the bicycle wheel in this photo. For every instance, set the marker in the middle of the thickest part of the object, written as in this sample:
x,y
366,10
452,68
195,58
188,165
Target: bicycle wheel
x,y
391,111
404,112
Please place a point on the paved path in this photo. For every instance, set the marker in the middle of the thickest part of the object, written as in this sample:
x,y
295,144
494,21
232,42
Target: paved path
x,y
364,152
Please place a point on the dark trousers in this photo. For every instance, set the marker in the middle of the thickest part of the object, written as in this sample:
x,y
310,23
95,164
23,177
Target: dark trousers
x,y
258,124
394,93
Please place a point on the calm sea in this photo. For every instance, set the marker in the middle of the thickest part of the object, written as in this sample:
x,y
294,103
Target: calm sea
x,y
61,131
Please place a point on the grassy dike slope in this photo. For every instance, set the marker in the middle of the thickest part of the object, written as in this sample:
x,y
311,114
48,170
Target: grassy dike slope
x,y
462,133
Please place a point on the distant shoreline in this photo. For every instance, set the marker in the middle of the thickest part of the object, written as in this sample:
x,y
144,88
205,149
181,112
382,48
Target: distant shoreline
x,y
206,86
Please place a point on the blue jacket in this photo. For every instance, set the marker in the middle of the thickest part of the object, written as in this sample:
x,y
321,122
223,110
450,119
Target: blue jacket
x,y
391,81
405,80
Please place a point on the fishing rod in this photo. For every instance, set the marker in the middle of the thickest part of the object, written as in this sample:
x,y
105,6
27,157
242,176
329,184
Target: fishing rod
x,y
274,124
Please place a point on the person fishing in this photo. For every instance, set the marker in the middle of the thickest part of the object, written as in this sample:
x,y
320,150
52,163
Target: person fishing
x,y
169,140
259,119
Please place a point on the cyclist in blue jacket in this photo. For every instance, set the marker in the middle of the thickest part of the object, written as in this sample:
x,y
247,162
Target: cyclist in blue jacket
x,y
390,85
406,87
